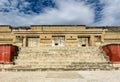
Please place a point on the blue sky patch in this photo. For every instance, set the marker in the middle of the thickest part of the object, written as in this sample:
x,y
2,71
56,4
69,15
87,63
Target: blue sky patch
x,y
88,12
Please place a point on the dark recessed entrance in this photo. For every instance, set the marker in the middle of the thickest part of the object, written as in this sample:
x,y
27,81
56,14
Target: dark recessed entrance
x,y
83,41
58,40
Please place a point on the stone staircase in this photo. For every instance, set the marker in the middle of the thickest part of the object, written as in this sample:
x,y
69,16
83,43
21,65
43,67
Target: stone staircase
x,y
60,58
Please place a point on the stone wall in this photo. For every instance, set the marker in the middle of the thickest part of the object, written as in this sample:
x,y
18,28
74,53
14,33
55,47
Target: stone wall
x,y
97,36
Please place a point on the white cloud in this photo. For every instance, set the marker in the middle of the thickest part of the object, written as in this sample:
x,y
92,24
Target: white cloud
x,y
3,2
11,5
111,12
67,12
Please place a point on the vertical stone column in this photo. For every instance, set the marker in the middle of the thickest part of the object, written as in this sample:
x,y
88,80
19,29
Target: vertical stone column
x,y
14,40
102,39
24,41
92,40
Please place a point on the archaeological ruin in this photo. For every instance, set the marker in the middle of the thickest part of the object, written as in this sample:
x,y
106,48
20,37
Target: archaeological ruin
x,y
60,47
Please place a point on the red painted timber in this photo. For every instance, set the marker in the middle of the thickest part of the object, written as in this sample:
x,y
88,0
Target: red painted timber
x,y
7,53
113,51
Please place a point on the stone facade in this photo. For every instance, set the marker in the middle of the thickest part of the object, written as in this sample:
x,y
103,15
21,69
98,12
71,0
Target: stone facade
x,y
60,47
59,35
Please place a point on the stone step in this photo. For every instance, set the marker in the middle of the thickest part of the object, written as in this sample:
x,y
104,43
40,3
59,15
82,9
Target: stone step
x,y
81,59
45,65
86,49
57,56
99,65
38,60
92,47
42,66
68,63
73,66
60,58
55,61
60,54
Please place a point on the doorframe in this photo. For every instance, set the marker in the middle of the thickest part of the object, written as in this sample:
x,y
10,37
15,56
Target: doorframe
x,y
27,43
84,36
58,43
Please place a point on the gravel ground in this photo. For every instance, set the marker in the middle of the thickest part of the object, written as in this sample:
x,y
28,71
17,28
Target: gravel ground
x,y
66,76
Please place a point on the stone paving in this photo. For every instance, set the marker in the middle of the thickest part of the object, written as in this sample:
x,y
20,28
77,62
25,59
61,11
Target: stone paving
x,y
61,76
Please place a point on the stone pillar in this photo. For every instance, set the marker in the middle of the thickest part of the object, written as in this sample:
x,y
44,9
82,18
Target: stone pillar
x,y
24,41
92,40
102,39
14,40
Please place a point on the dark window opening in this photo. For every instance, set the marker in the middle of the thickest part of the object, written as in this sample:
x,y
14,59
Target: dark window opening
x,y
83,45
56,44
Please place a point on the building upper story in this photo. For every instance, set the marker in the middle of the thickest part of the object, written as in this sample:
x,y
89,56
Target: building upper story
x,y
59,35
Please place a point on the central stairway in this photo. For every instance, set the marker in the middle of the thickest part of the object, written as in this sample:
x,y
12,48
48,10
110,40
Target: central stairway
x,y
61,58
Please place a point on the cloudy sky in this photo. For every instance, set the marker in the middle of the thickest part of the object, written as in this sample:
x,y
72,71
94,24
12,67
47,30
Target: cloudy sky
x,y
56,12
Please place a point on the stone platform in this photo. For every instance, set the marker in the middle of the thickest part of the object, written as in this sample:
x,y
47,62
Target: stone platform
x,y
66,76
60,58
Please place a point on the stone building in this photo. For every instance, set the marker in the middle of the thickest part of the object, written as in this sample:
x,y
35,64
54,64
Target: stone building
x,y
59,35
60,47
